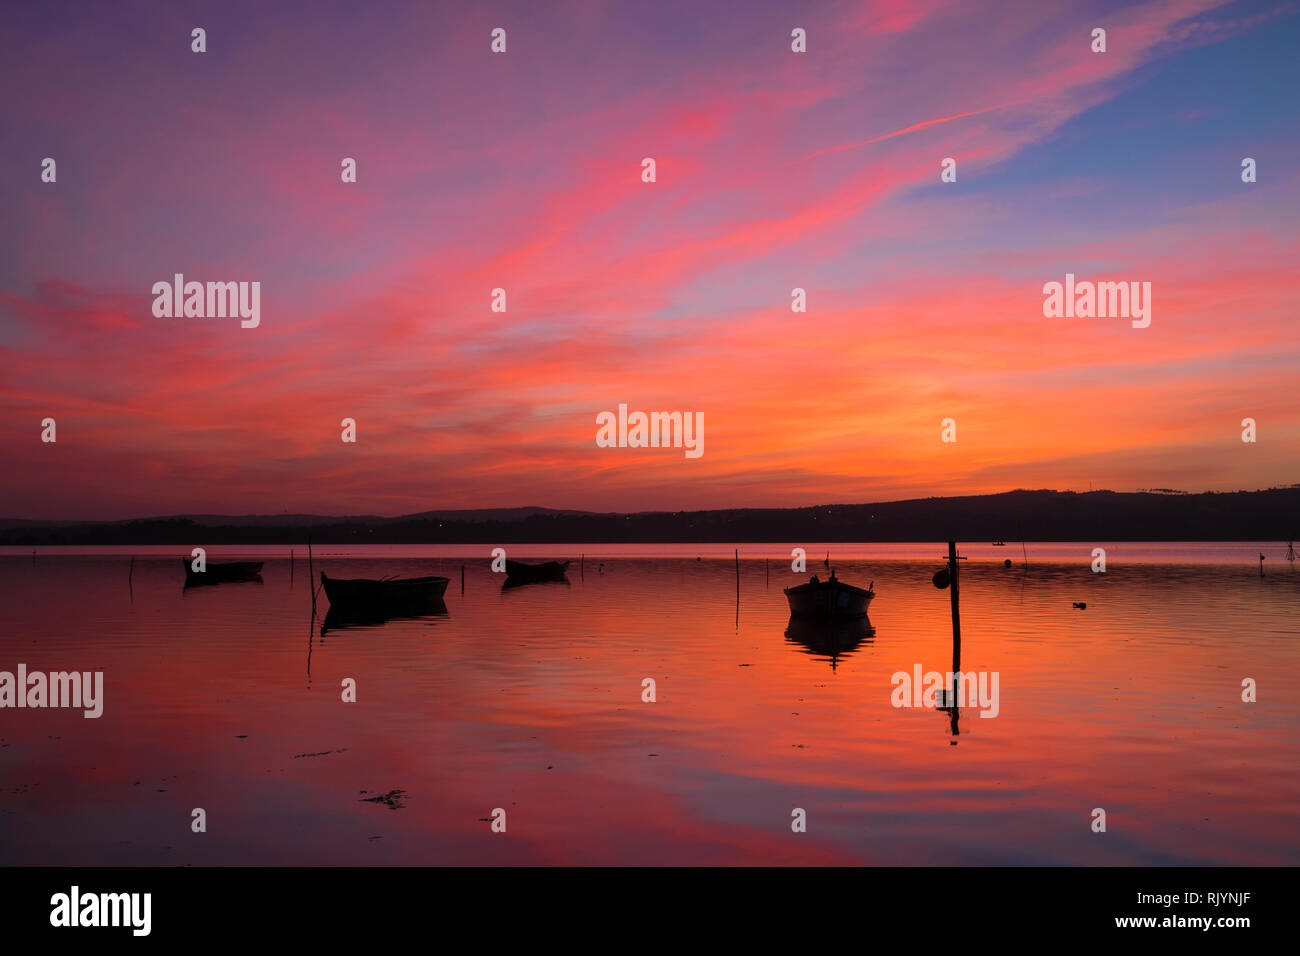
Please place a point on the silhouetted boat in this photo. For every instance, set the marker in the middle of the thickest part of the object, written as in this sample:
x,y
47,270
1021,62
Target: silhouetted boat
x,y
218,571
386,594
999,544
519,573
828,600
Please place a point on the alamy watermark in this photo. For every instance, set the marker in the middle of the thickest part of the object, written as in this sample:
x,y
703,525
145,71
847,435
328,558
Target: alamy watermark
x,y
1100,300
654,430
56,689
75,908
978,689
216,300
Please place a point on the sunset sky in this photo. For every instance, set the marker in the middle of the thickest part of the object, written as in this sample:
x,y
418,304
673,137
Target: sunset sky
x,y
522,170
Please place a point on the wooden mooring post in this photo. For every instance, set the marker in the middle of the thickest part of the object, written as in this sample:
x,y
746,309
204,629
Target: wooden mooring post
x,y
311,578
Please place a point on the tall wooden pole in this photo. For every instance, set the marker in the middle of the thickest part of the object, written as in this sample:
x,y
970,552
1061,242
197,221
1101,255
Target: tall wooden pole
x,y
311,578
956,611
953,703
737,590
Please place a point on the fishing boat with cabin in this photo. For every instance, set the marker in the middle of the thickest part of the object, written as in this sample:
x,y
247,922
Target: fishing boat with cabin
x,y
830,600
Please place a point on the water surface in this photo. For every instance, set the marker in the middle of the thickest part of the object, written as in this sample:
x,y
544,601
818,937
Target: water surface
x,y
530,700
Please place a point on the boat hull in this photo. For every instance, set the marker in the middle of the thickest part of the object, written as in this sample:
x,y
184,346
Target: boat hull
x,y
222,571
831,600
397,594
519,573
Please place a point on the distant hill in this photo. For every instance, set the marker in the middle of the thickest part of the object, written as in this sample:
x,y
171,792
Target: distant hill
x,y
1271,515
302,520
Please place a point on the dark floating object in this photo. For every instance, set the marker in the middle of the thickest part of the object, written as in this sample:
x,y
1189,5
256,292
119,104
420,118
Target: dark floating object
x,y
362,601
392,799
384,593
519,573
830,600
941,578
219,571
1006,563
1081,605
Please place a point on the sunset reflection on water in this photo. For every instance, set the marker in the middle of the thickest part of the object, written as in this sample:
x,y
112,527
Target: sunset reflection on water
x,y
530,700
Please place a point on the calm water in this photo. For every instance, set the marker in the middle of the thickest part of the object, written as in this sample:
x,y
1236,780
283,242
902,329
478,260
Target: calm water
x,y
227,698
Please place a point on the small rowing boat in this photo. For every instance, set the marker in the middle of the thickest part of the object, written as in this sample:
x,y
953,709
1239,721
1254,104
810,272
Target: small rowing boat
x,y
385,592
216,572
519,573
828,600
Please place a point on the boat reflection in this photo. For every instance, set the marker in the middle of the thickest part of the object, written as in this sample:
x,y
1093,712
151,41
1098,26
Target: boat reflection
x,y
831,639
509,584
199,582
340,617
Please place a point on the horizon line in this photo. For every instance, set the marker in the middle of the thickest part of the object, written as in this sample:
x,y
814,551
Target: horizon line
x,y
1160,492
